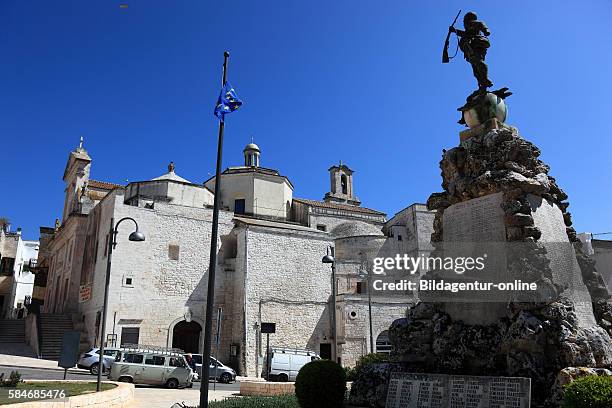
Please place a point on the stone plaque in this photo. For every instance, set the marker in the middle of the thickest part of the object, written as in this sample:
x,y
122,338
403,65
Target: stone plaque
x,y
477,220
548,218
411,390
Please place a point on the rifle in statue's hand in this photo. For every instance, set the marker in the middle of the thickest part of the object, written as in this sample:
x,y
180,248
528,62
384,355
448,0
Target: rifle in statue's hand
x,y
445,58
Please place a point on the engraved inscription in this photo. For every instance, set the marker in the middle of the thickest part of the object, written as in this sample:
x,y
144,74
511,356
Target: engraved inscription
x,y
477,220
411,390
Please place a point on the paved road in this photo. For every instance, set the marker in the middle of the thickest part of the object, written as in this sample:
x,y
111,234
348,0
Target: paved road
x,y
42,374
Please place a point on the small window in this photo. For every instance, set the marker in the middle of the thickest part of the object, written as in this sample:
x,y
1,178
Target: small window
x,y
321,227
359,287
129,281
132,358
129,335
399,237
173,252
239,206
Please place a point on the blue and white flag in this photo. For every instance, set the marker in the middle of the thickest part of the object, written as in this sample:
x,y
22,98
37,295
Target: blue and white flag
x,y
228,101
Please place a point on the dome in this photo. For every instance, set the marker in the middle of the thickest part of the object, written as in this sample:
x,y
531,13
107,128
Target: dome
x,y
355,229
251,146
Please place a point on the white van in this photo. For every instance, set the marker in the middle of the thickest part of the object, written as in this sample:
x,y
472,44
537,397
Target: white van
x,y
285,363
155,367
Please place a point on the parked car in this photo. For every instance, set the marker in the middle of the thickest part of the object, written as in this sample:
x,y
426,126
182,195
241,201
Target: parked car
x,y
154,367
285,363
216,369
90,360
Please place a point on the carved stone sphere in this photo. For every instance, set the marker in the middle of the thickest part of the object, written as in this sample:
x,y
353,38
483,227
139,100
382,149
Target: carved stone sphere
x,y
489,106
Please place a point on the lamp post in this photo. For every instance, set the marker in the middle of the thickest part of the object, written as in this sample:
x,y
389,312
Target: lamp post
x,y
135,236
365,273
329,259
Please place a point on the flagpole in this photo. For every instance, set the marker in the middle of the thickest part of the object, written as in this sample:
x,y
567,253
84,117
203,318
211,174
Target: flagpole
x,y
210,297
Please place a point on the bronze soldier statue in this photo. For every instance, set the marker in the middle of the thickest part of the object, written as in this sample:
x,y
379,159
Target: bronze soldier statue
x,y
473,43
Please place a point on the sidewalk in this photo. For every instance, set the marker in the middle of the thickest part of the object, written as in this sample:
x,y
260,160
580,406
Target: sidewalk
x,y
32,362
148,397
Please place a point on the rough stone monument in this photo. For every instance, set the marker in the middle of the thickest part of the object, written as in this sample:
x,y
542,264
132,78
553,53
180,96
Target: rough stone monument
x,y
496,189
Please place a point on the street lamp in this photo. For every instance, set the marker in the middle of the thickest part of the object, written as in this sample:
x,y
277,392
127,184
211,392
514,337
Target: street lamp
x,y
365,273
329,259
135,236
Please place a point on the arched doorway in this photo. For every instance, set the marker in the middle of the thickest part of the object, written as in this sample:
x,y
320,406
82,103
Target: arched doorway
x,y
186,336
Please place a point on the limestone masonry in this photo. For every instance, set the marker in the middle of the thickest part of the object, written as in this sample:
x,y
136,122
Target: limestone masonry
x,y
269,263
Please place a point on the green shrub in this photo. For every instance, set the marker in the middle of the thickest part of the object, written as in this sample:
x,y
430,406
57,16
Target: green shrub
x,y
368,359
320,383
280,401
589,392
350,373
12,381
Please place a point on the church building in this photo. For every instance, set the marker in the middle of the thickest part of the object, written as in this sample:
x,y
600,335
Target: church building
x,y
269,262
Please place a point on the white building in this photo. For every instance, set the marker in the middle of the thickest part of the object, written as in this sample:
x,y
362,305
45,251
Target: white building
x,y
17,256
269,262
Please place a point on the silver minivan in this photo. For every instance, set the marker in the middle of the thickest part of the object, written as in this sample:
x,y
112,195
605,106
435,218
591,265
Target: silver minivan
x,y
152,367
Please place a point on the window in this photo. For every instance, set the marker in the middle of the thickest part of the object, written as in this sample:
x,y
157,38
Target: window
x,y
383,345
343,184
130,335
128,281
239,206
6,266
155,360
173,252
321,227
399,237
176,362
132,358
360,287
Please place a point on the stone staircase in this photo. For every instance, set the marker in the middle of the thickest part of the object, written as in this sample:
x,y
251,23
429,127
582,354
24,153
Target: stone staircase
x,y
12,331
53,328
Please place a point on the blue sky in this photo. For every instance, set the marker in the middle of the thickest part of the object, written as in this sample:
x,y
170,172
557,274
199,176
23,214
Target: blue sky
x,y
322,81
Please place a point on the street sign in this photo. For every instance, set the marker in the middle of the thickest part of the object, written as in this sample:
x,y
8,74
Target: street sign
x,y
268,328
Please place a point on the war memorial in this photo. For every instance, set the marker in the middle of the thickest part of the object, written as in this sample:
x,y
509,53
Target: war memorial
x,y
496,348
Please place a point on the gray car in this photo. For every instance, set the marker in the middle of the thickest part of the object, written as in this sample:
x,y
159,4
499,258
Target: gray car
x,y
216,370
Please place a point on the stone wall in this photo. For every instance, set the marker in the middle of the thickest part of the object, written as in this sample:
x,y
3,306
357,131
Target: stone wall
x,y
355,319
162,289
286,284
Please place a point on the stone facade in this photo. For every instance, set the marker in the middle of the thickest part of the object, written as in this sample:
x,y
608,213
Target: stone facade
x,y
269,264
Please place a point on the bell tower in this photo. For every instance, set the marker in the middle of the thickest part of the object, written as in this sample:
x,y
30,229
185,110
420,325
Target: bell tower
x,y
76,176
341,189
